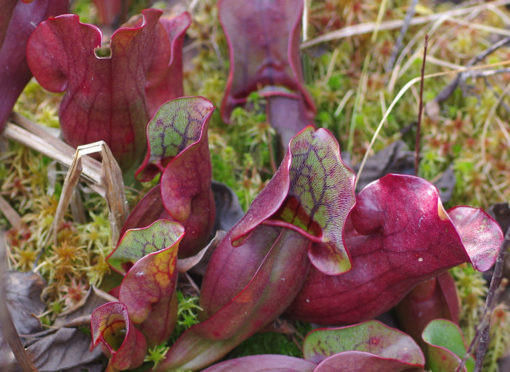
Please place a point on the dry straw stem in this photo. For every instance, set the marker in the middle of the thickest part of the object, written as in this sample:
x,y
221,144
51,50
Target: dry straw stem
x,y
111,180
104,177
365,28
39,139
404,89
8,328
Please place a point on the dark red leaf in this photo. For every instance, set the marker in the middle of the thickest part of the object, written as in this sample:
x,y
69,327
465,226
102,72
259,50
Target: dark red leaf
x,y
269,268
119,339
359,361
168,85
105,95
149,209
178,147
16,25
432,299
398,235
261,62
263,363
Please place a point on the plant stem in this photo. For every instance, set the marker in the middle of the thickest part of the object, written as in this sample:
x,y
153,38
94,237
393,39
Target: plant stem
x,y
420,108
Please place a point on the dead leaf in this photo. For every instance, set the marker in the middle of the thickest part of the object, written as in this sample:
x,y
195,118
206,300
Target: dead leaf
x,y
23,291
64,349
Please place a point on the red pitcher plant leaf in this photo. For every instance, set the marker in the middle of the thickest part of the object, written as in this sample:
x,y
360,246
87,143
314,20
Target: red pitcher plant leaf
x,y
370,346
312,193
17,21
398,235
147,257
119,339
260,265
149,209
105,96
177,147
278,259
264,363
432,299
264,63
445,347
168,84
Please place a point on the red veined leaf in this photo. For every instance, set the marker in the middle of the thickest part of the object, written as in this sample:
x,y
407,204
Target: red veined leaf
x,y
312,193
398,235
177,137
105,88
148,287
120,340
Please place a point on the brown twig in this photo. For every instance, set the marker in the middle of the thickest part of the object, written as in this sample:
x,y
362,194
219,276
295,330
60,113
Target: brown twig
x,y
482,337
8,329
420,108
450,88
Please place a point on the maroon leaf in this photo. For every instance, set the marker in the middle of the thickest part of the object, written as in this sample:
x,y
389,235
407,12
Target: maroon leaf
x,y
261,62
263,363
275,264
148,287
398,235
359,361
119,339
177,146
5,17
149,209
105,95
14,71
312,193
432,299
169,81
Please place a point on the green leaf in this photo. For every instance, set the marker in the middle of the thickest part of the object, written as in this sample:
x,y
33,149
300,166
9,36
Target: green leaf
x,y
445,346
